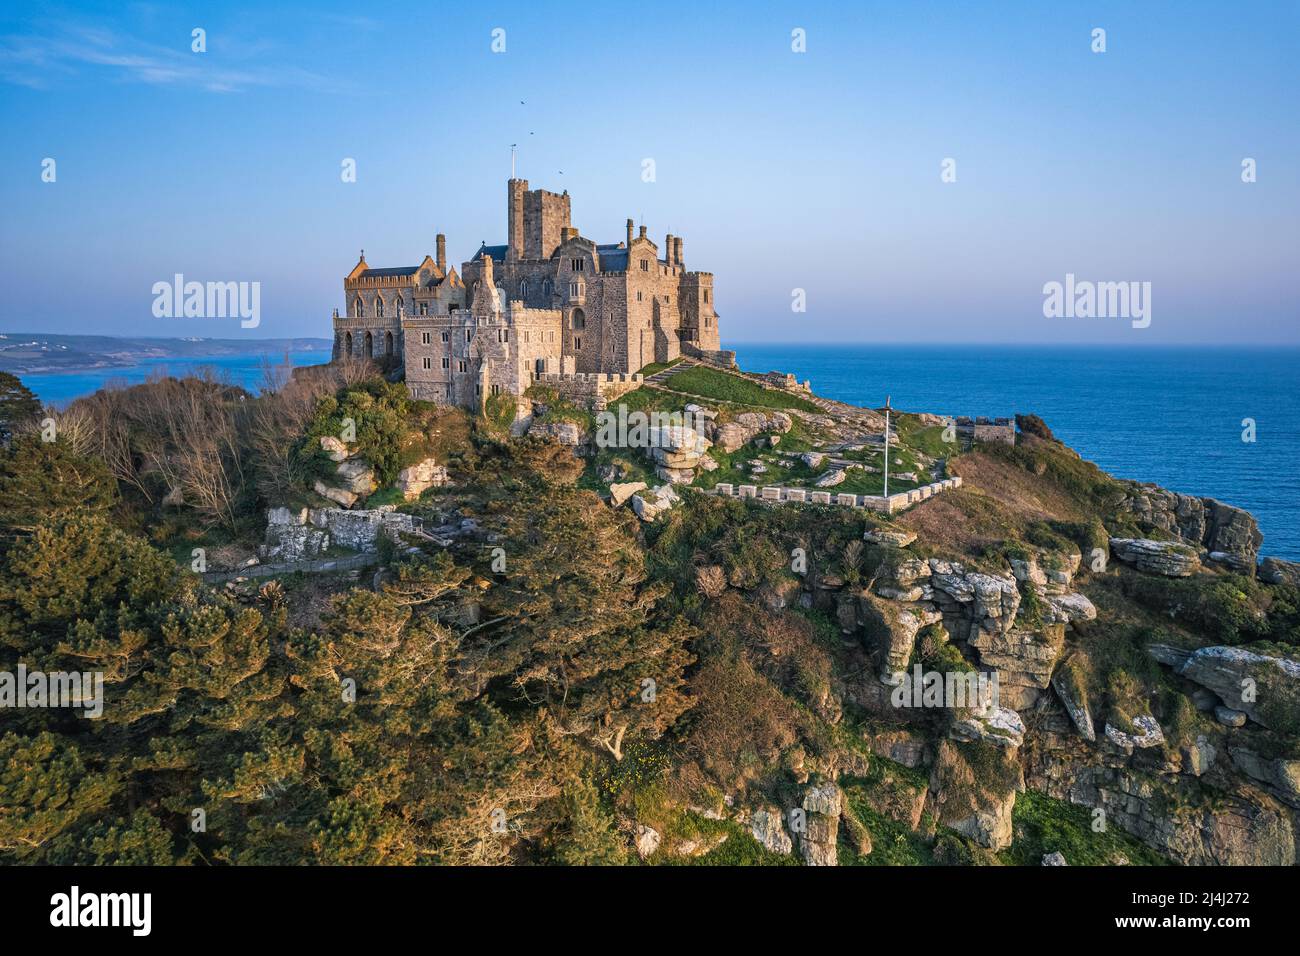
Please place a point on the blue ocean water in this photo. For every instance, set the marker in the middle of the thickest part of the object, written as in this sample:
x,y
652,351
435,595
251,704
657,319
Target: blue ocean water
x,y
1168,415
59,388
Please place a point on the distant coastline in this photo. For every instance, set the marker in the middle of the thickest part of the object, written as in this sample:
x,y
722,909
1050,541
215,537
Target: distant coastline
x,y
41,353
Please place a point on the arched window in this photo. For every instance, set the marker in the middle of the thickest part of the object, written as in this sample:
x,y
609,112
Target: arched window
x,y
370,346
347,347
379,306
547,288
579,320
388,336
400,306
523,288
358,309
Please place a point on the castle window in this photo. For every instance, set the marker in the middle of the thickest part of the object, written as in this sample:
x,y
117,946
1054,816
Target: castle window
x,y
446,362
547,287
358,309
425,339
645,265
706,295
579,320
379,307
469,335
526,337
523,288
401,305
638,296
428,362
462,365
424,308
446,337
540,366
578,265
575,289
577,343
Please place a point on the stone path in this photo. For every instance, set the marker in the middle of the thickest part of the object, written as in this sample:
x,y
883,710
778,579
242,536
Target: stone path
x,y
658,378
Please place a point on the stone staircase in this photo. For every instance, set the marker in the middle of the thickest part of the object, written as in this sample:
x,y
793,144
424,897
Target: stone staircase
x,y
658,378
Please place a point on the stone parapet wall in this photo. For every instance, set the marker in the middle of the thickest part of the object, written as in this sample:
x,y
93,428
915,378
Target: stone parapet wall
x,y
590,388
894,503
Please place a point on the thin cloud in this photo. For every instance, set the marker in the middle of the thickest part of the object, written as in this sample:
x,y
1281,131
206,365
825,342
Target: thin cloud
x,y
35,61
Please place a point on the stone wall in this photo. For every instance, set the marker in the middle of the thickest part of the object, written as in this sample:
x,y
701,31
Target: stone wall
x,y
307,533
894,503
590,389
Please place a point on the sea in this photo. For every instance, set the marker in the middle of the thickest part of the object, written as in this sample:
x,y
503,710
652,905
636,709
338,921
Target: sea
x,y
1178,417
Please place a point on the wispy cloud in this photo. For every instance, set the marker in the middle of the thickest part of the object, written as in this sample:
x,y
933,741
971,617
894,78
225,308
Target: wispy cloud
x,y
38,61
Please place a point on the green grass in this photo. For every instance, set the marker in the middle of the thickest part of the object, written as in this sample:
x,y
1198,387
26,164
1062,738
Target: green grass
x,y
724,387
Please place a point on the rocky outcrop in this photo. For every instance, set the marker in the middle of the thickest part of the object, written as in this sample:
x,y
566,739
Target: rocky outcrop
x,y
1266,687
889,539
677,452
818,841
1277,571
745,427
999,726
414,480
620,492
1023,659
650,504
1075,701
896,626
1203,523
1145,733
768,828
977,805
1243,826
983,602
566,433
830,478
1167,558
647,841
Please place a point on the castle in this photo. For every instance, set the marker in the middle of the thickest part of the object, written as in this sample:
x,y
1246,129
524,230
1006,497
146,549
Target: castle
x,y
548,306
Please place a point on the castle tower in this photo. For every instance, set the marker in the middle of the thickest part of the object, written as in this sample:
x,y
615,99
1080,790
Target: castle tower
x,y
517,189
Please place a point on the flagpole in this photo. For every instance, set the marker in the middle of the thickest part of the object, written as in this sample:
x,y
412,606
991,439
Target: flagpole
x,y
886,446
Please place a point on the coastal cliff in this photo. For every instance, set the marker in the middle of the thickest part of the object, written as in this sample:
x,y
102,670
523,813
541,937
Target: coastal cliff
x,y
574,648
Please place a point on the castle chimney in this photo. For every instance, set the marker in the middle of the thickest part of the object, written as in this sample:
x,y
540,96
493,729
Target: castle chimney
x,y
677,253
668,249
442,253
629,233
643,232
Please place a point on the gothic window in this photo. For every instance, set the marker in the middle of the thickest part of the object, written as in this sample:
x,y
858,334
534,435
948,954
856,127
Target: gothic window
x,y
370,346
347,343
400,306
547,287
579,320
358,309
388,343
523,288
379,306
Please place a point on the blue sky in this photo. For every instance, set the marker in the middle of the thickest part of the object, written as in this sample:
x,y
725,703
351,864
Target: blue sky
x,y
818,171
